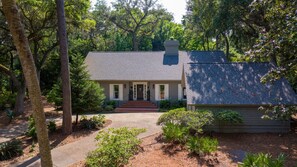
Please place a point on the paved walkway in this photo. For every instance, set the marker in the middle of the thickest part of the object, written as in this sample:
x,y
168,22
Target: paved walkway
x,y
68,154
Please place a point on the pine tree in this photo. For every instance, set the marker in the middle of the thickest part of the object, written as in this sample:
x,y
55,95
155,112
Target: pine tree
x,y
86,95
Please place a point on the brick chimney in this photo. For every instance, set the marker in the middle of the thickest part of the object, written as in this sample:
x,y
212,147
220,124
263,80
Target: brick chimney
x,y
171,47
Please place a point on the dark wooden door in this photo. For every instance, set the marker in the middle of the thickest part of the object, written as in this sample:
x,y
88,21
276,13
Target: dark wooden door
x,y
139,92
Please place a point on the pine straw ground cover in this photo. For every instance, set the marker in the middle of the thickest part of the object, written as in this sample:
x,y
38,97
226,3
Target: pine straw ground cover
x,y
57,139
155,152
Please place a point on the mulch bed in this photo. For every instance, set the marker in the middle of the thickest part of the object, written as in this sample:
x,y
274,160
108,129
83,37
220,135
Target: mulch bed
x,y
57,139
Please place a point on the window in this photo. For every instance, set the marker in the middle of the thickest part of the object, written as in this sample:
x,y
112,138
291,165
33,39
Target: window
x,y
161,91
116,91
184,93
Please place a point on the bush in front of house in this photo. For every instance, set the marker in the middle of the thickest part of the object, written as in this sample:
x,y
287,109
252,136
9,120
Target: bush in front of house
x,y
10,149
115,147
94,122
169,104
229,117
263,160
202,145
111,103
165,104
175,133
178,126
194,120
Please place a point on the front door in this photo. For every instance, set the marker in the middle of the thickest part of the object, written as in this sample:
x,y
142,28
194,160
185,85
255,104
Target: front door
x,y
139,92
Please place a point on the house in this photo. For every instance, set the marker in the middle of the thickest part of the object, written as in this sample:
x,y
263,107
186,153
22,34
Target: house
x,y
204,79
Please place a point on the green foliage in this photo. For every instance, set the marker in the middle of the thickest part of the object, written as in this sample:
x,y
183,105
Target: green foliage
x,y
169,104
31,131
278,112
86,95
175,133
278,39
6,97
194,120
111,103
93,123
51,126
115,147
229,117
10,149
263,160
165,104
109,108
203,145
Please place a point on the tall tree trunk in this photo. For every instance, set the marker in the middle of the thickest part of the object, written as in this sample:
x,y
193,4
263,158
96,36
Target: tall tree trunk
x,y
135,42
23,49
67,113
19,102
227,44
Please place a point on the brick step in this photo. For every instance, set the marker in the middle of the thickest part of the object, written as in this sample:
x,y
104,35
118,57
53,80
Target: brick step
x,y
132,110
138,104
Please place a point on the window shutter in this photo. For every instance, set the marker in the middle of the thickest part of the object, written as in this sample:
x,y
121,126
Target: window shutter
x,y
121,92
157,92
166,91
111,92
180,92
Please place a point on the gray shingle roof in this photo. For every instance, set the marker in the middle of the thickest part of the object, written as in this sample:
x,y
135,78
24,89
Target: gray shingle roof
x,y
234,83
134,66
206,57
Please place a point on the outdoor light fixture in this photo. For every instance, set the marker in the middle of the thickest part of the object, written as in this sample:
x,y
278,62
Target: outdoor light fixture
x,y
153,86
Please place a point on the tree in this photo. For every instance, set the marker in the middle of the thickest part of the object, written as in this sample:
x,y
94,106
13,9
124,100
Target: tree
x,y
86,95
22,45
138,18
62,35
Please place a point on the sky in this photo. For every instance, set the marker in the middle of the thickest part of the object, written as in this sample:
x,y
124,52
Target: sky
x,y
176,7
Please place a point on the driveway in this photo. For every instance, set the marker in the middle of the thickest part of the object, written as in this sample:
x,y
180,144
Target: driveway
x,y
77,151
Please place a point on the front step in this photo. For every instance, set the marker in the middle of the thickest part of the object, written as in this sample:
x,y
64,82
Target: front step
x,y
132,110
137,106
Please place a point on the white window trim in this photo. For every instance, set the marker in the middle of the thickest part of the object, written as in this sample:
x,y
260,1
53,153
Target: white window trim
x,y
157,92
180,92
144,90
111,92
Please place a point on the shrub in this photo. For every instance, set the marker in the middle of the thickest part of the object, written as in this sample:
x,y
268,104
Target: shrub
x,y
92,123
109,108
51,126
263,160
31,131
111,103
194,120
203,145
165,104
10,149
115,147
229,116
178,104
175,133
